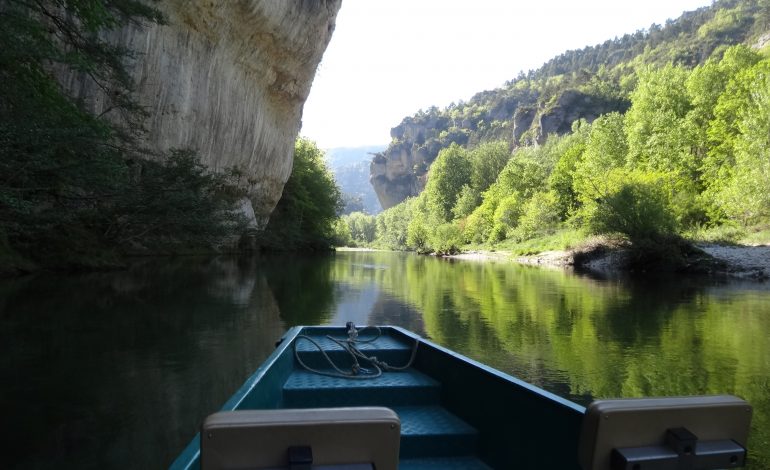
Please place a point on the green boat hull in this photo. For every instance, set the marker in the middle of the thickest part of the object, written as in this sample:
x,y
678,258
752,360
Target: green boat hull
x,y
455,412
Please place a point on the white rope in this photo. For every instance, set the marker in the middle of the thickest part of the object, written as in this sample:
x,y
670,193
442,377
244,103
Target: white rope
x,y
350,345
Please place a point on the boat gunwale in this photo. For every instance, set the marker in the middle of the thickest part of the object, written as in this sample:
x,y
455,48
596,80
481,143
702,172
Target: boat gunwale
x,y
494,372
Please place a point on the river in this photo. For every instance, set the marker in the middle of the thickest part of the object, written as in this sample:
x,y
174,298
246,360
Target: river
x,y
117,370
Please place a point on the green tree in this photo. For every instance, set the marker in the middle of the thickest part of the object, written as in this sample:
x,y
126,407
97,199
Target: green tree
x,y
342,233
661,138
706,84
723,130
605,150
658,137
448,174
178,199
746,197
561,181
417,236
393,225
506,217
445,239
487,160
478,225
540,215
468,199
307,212
363,227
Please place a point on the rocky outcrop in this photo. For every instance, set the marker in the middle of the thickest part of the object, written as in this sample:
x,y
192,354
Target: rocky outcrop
x,y
228,79
401,171
522,121
571,106
398,173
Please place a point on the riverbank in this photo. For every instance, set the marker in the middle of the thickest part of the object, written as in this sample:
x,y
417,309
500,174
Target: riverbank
x,y
743,261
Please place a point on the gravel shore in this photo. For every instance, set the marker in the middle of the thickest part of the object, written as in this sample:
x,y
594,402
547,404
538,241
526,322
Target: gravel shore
x,y
742,261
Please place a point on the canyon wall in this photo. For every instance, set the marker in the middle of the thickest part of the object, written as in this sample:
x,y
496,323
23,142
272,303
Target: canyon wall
x,y
228,79
401,171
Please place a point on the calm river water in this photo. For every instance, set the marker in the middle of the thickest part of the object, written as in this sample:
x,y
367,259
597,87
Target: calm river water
x,y
117,370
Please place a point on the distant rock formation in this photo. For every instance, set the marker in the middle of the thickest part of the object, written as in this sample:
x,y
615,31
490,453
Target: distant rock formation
x,y
230,80
401,171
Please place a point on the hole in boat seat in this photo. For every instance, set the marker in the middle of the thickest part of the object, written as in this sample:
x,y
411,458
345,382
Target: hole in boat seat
x,y
336,438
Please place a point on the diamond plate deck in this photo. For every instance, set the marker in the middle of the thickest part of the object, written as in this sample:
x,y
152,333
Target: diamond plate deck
x,y
305,389
431,437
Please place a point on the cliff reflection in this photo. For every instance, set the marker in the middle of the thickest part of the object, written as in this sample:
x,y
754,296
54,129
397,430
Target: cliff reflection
x,y
116,370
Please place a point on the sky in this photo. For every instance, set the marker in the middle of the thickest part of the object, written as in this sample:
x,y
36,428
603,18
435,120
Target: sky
x,y
388,59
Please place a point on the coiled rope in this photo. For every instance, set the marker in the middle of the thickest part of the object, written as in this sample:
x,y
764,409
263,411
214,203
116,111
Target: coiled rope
x,y
350,344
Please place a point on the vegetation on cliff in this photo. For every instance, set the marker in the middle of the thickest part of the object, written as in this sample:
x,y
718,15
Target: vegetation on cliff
x,y
79,189
578,84
688,150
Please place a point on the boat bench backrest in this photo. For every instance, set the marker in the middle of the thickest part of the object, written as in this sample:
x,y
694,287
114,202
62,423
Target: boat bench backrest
x,y
336,437
654,433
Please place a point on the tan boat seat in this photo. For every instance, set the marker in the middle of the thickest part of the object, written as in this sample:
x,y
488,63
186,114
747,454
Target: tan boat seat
x,y
665,433
316,438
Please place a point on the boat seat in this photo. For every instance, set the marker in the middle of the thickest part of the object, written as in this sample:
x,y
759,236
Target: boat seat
x,y
702,433
301,439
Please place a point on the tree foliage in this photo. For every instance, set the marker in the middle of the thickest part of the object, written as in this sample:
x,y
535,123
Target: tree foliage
x,y
305,216
635,204
363,227
449,173
603,75
745,196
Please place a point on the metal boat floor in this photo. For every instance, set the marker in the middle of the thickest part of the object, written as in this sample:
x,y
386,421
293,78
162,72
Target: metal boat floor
x,y
306,389
431,436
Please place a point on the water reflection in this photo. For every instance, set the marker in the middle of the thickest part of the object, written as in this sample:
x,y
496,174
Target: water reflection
x,y
586,338
117,370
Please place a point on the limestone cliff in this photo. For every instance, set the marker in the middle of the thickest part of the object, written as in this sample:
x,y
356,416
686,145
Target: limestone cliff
x,y
577,84
401,170
230,80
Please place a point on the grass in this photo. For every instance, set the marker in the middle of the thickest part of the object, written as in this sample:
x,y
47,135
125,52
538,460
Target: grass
x,y
757,236
561,240
730,235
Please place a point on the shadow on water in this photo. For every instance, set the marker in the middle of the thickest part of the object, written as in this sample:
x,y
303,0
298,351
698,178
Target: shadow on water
x,y
117,370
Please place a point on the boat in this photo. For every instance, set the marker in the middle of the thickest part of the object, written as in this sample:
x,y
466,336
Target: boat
x,y
424,406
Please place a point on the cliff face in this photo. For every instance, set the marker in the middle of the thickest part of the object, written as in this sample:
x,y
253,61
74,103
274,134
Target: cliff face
x,y
401,171
229,79
577,84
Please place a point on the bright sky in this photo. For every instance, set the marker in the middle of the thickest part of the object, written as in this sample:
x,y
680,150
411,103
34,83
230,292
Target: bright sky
x,y
390,58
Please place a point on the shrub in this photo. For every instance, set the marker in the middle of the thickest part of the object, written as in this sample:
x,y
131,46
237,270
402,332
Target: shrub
x,y
636,205
417,237
446,239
